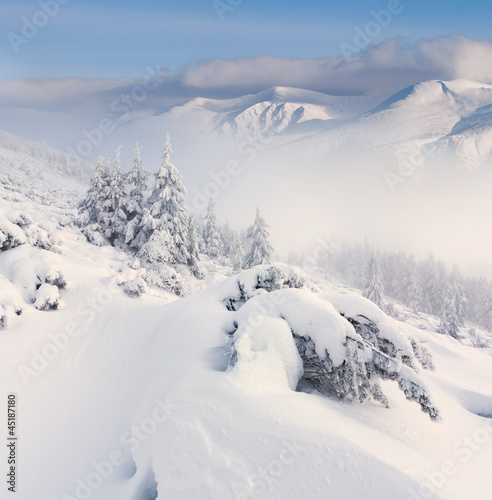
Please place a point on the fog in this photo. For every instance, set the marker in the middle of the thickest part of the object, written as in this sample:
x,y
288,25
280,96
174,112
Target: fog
x,y
305,188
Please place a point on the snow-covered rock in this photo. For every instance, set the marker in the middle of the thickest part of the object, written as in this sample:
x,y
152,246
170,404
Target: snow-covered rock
x,y
343,356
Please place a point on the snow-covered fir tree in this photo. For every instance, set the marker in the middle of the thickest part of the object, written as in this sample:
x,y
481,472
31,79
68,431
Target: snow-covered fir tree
x,y
137,180
93,207
141,223
140,229
193,250
213,243
115,220
237,254
168,242
260,251
374,289
453,313
401,273
106,202
477,292
227,236
413,291
362,254
398,278
90,206
435,282
460,298
450,323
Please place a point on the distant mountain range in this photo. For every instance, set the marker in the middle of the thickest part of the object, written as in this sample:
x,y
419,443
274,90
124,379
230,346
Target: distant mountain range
x,y
452,117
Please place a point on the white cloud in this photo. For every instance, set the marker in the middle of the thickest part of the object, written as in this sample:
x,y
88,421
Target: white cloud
x,y
381,70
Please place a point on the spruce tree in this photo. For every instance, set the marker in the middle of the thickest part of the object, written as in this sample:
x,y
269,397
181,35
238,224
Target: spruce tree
x,y
211,235
136,178
93,209
432,289
477,295
105,212
261,250
459,296
237,254
193,250
450,324
400,277
140,229
227,236
374,289
116,218
91,206
141,224
413,292
167,207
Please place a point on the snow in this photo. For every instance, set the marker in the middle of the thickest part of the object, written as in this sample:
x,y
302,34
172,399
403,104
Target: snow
x,y
11,302
266,354
363,309
431,114
225,433
126,399
306,315
47,297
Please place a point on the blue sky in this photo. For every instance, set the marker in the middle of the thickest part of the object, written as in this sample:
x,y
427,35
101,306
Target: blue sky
x,y
90,38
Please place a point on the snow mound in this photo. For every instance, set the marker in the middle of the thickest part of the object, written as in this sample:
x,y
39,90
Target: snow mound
x,y
29,275
343,348
47,297
18,228
11,302
266,352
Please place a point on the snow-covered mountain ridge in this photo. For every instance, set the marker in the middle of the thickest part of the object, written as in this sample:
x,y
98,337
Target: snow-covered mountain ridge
x,y
449,116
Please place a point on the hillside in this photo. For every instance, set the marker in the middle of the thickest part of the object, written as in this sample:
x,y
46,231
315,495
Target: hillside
x,y
425,115
134,398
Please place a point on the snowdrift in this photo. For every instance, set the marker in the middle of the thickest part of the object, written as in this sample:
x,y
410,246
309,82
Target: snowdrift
x,y
216,395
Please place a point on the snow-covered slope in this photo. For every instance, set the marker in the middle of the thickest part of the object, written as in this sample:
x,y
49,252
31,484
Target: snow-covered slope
x,y
35,168
125,399
281,109
430,114
164,398
39,191
471,138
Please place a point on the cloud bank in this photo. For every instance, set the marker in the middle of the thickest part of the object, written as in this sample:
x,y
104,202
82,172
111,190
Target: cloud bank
x,y
380,70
